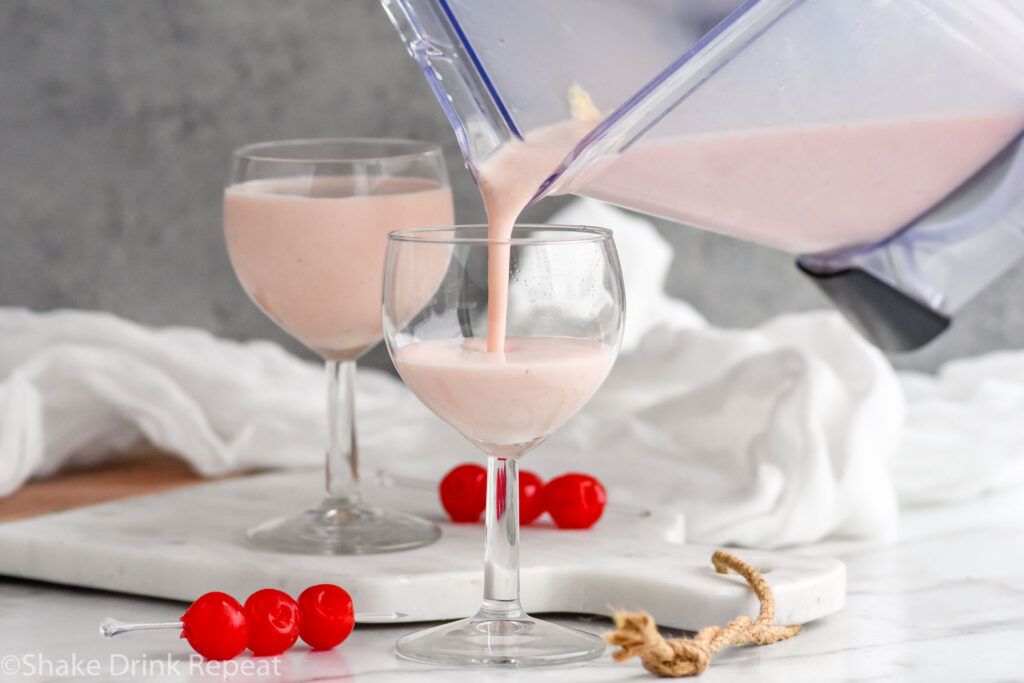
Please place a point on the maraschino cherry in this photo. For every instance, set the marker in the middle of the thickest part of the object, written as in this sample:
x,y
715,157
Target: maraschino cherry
x,y
575,501
326,616
215,626
273,620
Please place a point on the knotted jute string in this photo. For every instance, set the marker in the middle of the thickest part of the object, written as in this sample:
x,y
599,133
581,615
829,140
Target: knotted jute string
x,y
637,634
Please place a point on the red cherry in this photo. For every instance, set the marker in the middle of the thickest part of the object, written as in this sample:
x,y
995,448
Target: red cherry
x,y
273,621
215,626
531,497
464,492
575,501
326,616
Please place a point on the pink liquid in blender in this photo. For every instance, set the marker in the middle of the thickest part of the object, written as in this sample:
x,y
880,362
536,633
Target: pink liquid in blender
x,y
803,189
806,189
505,402
310,251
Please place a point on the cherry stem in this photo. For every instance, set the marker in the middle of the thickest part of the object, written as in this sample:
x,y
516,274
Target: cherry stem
x,y
111,627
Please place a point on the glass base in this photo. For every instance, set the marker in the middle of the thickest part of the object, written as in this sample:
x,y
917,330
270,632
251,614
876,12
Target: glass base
x,y
506,642
341,527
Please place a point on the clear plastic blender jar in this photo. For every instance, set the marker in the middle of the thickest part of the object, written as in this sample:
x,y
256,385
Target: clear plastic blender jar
x,y
879,139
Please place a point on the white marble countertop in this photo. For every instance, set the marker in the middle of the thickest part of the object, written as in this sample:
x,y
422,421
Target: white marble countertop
x,y
944,603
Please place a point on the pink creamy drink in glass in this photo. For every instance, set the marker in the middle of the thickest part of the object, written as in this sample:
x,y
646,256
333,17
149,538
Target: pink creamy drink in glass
x,y
306,224
563,335
513,399
310,252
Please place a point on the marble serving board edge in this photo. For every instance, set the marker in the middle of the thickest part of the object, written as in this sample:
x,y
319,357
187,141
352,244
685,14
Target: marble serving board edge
x,y
182,543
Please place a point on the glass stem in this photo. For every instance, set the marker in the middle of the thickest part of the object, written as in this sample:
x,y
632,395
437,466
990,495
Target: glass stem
x,y
501,547
342,452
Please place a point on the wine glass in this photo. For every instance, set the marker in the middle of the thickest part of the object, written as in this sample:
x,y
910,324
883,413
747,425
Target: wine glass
x,y
306,224
564,320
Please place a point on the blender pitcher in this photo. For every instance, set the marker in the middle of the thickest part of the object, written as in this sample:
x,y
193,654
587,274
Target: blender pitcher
x,y
880,140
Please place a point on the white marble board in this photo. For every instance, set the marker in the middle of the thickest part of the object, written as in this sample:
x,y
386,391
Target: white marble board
x,y
186,542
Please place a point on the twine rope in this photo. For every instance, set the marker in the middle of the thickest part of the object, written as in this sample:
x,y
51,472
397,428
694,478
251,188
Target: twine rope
x,y
637,634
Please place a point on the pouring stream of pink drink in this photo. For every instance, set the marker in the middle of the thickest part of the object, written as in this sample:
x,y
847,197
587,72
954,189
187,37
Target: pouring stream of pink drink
x,y
507,183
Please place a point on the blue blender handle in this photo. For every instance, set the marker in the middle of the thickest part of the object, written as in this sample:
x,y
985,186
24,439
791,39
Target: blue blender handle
x,y
903,292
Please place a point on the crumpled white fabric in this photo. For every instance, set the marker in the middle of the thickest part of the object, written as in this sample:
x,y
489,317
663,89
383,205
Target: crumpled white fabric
x,y
78,385
774,436
964,433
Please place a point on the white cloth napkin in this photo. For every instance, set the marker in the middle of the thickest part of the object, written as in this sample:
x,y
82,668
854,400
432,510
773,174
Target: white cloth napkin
x,y
78,385
775,436
964,434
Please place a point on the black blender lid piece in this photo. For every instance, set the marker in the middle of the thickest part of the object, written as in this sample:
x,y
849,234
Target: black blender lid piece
x,y
888,318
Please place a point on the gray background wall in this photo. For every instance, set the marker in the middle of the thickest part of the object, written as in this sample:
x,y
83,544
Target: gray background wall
x,y
117,118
